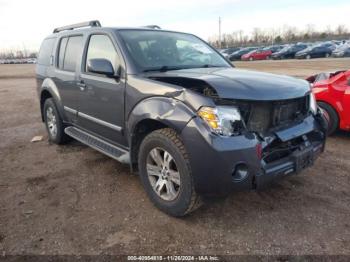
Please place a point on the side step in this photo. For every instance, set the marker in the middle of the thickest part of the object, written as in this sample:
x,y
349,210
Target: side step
x,y
104,147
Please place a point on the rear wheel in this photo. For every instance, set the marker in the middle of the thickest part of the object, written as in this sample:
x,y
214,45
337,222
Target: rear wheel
x,y
54,123
331,115
165,173
251,59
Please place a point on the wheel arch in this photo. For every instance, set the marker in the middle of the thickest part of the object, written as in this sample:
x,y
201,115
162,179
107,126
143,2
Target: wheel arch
x,y
49,90
335,107
152,114
338,115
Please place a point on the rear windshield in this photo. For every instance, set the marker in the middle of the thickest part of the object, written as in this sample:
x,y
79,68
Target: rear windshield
x,y
45,52
150,50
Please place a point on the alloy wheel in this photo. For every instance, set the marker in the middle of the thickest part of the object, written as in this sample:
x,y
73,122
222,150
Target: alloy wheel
x,y
51,121
163,174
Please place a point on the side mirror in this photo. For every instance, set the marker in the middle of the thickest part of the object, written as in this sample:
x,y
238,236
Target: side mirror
x,y
100,66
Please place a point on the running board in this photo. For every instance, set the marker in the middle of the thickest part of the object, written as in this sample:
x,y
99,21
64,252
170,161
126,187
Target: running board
x,y
100,145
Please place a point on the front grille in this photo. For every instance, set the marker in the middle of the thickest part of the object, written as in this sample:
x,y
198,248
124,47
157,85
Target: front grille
x,y
266,115
263,116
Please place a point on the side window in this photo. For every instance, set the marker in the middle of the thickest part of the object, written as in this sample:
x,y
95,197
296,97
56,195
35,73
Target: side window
x,y
73,50
46,51
69,52
101,46
61,52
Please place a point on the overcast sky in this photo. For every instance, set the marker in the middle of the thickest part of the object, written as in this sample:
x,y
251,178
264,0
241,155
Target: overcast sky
x,y
24,23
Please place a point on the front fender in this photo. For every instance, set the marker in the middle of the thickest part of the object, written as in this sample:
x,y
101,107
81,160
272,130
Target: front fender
x,y
169,111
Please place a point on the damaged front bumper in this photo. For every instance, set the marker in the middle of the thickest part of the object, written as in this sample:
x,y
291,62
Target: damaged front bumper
x,y
223,164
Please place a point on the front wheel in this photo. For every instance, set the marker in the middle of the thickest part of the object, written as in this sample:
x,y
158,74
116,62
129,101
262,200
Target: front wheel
x,y
331,116
165,173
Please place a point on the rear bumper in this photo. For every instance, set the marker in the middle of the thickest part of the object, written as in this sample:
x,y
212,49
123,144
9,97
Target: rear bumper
x,y
215,159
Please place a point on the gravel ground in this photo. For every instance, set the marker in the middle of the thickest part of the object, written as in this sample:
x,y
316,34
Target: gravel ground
x,y
73,200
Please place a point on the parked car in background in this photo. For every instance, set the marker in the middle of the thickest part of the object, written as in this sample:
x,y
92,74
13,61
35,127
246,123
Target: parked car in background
x,y
331,45
288,51
342,51
258,54
18,61
332,91
238,54
315,51
31,61
261,54
274,48
228,51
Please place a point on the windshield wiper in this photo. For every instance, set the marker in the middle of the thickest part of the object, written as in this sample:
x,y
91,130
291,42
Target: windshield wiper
x,y
163,69
209,65
169,68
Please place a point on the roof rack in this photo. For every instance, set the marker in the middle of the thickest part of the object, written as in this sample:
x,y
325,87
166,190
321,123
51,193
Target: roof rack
x,y
93,23
153,26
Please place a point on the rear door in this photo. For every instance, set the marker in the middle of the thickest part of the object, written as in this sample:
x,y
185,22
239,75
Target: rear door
x,y
101,100
68,55
261,54
317,52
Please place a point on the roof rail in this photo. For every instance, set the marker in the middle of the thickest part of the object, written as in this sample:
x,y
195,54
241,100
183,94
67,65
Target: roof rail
x,y
153,26
93,23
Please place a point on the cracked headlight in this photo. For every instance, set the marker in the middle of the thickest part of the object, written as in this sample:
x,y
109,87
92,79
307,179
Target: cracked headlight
x,y
313,103
222,120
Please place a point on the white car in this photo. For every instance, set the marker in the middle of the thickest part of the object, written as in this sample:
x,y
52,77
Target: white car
x,y
31,61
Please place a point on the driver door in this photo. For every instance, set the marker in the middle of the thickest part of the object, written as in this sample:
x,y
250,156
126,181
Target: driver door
x,y
101,104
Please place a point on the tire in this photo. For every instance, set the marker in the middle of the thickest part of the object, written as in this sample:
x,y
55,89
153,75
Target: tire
x,y
185,200
332,117
251,59
308,57
327,55
53,122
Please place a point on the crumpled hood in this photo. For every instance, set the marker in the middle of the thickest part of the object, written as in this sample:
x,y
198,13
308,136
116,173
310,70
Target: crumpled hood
x,y
232,83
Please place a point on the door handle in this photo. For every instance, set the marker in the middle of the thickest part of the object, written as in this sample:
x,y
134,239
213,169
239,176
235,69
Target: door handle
x,y
81,85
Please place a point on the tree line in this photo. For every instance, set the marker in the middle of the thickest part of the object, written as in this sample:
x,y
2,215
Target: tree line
x,y
286,34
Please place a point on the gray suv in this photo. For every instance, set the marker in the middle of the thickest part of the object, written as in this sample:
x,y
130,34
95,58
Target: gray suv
x,y
171,106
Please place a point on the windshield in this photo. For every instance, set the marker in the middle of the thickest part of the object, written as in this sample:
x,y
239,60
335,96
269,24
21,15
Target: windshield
x,y
343,47
252,52
286,48
158,50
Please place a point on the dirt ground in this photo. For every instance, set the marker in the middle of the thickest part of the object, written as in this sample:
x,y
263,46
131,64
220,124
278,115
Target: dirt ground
x,y
73,200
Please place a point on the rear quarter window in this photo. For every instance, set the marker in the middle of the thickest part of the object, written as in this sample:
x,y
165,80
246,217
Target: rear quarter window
x,y
61,52
45,52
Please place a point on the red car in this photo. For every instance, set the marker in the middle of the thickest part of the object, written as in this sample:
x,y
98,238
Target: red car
x,y
332,92
257,55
